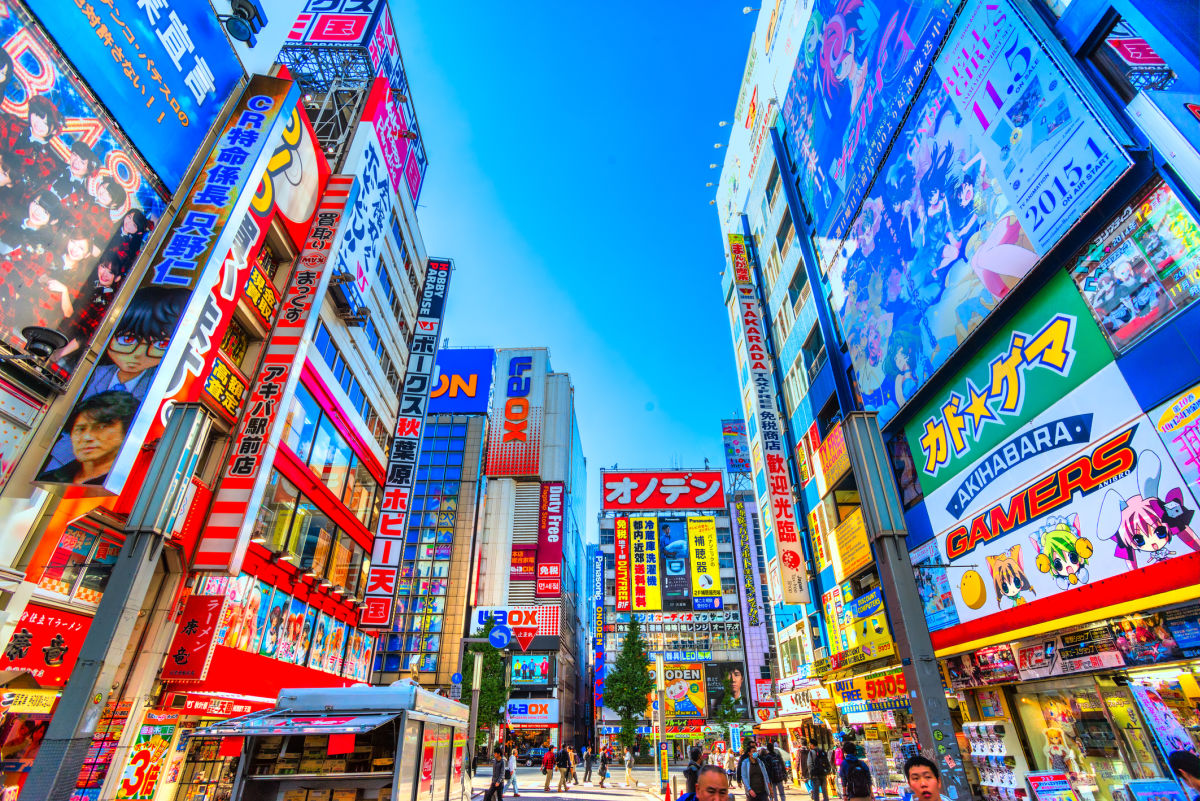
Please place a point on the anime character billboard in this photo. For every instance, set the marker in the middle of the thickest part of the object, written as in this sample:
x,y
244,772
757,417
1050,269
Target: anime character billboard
x,y
75,207
993,165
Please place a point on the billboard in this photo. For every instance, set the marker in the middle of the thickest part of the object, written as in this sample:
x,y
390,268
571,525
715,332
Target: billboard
x,y
523,566
621,564
527,669
737,257
163,69
368,219
342,22
716,676
388,547
1105,503
998,158
673,555
164,345
464,381
515,435
686,697
662,490
737,446
77,206
745,564
706,571
1177,421
848,94
644,575
550,540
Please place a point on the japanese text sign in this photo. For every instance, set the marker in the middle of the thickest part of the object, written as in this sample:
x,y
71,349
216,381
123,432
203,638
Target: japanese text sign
x,y
833,460
523,566
147,756
191,649
336,22
163,68
621,563
745,563
706,572
550,539
45,644
366,220
464,382
402,459
737,446
737,256
852,551
644,574
674,489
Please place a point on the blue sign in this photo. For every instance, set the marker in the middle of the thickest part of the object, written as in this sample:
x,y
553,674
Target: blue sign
x,y
500,636
456,678
162,67
464,382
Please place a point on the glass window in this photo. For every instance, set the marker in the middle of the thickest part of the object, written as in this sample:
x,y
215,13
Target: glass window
x,y
311,539
354,572
359,495
301,422
340,569
331,457
275,514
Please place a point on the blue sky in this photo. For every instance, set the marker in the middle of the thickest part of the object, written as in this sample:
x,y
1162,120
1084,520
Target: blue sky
x,y
569,146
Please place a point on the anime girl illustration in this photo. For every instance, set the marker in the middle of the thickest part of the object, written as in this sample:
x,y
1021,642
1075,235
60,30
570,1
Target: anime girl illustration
x,y
1062,551
1009,577
1143,523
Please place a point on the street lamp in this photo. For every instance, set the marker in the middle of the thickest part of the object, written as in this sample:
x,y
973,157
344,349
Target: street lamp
x,y
660,686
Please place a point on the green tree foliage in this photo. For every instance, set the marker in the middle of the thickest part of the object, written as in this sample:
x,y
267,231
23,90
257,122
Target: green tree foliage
x,y
627,687
726,713
493,695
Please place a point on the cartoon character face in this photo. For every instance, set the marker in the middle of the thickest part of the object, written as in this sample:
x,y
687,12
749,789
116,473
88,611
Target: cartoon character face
x,y
677,690
1062,551
1008,575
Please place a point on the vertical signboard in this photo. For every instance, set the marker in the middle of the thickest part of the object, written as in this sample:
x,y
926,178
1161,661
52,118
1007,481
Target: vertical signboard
x,y
550,544
673,556
228,528
515,435
737,446
772,453
191,648
143,771
706,572
366,223
388,549
644,569
737,257
745,563
163,69
621,572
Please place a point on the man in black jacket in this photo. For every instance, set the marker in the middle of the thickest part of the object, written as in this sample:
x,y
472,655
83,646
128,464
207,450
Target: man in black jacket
x,y
818,772
564,769
495,790
692,771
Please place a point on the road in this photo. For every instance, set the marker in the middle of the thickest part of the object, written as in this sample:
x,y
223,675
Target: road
x,y
530,782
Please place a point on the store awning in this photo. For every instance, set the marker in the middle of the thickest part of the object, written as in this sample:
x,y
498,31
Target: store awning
x,y
282,721
777,725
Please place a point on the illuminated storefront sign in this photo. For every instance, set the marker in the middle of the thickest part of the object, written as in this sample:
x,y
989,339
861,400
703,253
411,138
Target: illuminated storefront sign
x,y
621,563
662,489
706,573
550,540
644,564
515,434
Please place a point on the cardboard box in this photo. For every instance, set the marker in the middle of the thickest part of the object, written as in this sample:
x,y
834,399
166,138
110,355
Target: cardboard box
x,y
295,795
345,794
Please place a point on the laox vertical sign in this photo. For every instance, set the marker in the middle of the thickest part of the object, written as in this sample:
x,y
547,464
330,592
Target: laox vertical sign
x,y
515,434
550,543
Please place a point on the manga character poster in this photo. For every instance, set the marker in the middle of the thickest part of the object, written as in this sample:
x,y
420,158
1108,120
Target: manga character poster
x,y
291,631
274,628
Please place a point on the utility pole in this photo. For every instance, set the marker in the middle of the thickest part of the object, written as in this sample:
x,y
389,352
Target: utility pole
x,y
660,688
884,519
473,719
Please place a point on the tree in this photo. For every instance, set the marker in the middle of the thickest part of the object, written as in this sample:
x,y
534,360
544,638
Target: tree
x,y
493,695
726,713
628,686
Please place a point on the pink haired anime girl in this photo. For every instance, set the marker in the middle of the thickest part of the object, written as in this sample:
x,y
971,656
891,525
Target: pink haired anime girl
x,y
1144,523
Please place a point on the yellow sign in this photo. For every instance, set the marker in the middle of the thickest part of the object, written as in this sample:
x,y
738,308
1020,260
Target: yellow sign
x,y
833,460
644,575
874,687
685,695
852,552
28,702
702,548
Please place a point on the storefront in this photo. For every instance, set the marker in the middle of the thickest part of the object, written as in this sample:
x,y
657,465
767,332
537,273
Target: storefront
x,y
533,722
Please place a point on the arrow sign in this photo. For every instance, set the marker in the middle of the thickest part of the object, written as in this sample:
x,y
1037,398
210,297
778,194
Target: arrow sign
x,y
499,636
524,635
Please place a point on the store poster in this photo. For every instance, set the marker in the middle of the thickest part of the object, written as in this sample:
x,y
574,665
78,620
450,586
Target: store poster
x,y
716,676
933,585
1051,787
1184,626
705,567
320,638
273,626
1155,790
147,756
685,690
254,616
292,632
1168,732
1079,649
1178,423
1086,503
530,669
335,647
1145,639
676,573
870,636
237,596
991,665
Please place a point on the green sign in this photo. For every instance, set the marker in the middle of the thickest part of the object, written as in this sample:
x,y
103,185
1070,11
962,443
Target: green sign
x,y
1051,346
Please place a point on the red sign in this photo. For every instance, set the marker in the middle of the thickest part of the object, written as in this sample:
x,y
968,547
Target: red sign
x,y
216,706
737,253
524,635
550,540
621,564
45,644
762,693
524,563
191,649
671,489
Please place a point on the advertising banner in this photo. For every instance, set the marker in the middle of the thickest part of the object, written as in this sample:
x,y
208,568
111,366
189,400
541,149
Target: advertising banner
x,y
685,690
550,540
662,490
644,576
523,566
674,555
621,564
998,158
727,679
78,206
163,70
531,669
832,460
737,256
367,220
543,619
191,648
514,443
1161,720
1143,268
737,446
533,711
1178,424
848,95
388,547
746,563
852,551
706,571
1102,507
464,381
772,454
143,771
45,644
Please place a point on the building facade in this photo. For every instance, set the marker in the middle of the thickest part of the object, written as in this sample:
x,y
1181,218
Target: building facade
x,y
995,258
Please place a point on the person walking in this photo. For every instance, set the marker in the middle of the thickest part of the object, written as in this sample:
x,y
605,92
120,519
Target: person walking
x,y
629,780
564,769
754,775
605,758
818,772
855,775
510,773
548,766
776,771
574,760
589,756
731,767
692,771
495,791
802,762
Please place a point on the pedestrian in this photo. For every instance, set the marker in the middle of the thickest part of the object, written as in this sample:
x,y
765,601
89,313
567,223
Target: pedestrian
x,y
548,764
589,756
564,769
605,758
1187,767
776,770
855,775
692,771
629,780
495,791
818,772
754,775
711,785
802,759
924,778
574,775
731,767
510,774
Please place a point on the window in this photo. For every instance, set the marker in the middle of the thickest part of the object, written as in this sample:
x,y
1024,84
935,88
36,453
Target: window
x,y
235,343
795,386
323,343
79,568
725,560
785,235
301,425
275,514
814,352
773,185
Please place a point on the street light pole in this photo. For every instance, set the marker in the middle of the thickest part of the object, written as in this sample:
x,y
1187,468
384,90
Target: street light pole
x,y
473,719
660,686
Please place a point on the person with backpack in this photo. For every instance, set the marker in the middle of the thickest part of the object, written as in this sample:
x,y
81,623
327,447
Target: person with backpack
x,y
564,769
692,771
755,778
818,772
775,771
855,775
629,780
548,760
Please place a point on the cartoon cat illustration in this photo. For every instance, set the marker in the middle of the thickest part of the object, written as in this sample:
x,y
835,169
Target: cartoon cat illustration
x,y
1009,576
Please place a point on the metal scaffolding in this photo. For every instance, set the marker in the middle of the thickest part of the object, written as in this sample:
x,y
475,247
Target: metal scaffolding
x,y
336,80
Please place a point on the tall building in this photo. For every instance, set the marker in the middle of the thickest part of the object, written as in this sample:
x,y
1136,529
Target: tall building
x,y
978,223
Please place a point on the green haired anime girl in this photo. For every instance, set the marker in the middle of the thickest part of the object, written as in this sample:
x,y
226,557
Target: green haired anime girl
x,y
1062,551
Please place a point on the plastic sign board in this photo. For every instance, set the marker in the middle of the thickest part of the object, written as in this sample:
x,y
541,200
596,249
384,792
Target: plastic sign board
x,y
528,711
515,435
662,490
550,539
464,381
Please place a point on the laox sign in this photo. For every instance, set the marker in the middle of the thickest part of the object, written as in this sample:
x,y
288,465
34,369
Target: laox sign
x,y
516,408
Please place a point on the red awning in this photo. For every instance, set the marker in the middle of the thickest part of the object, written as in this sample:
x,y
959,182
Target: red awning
x,y
238,672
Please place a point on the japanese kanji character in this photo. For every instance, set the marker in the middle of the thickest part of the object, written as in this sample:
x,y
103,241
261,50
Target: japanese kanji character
x,y
212,195
54,653
241,137
1006,376
200,81
19,645
105,35
191,627
153,9
243,466
180,657
236,156
224,174
408,427
175,39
